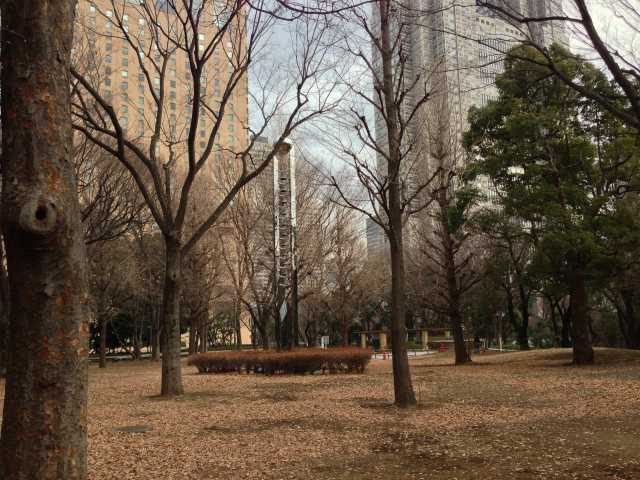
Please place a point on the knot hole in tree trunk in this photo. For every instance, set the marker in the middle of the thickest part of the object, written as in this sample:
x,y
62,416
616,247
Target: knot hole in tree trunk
x,y
38,216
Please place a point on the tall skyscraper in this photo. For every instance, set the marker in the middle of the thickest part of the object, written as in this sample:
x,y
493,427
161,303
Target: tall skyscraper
x,y
461,47
455,49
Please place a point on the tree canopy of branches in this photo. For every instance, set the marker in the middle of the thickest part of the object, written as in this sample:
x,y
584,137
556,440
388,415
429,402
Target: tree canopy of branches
x,y
167,165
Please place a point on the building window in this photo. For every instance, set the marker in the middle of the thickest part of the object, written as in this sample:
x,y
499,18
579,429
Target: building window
x,y
107,81
141,21
125,18
141,77
108,46
125,50
125,62
156,81
124,109
124,85
141,88
109,13
172,106
107,58
124,120
124,74
172,84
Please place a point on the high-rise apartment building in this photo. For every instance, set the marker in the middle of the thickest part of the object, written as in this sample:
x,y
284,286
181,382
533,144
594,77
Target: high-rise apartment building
x,y
115,39
139,58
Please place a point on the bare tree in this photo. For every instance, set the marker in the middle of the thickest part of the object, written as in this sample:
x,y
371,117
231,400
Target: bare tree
x,y
110,202
45,407
200,34
396,187
448,250
115,279
345,291
249,251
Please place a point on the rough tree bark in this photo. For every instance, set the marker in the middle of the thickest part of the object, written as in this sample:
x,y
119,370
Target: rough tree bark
x,y
402,385
171,368
4,312
582,347
45,409
155,333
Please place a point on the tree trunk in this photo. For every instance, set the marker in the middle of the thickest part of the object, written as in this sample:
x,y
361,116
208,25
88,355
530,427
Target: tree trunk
x,y
137,347
554,323
204,340
453,293
44,432
345,330
238,326
403,388
193,338
402,385
628,318
171,368
4,312
155,334
582,347
566,341
103,343
523,332
511,311
262,327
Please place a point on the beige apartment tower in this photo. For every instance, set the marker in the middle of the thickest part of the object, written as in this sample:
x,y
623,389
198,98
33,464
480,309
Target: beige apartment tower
x,y
114,39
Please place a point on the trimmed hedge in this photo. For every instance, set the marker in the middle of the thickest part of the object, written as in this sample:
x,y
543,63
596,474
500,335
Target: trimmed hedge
x,y
297,361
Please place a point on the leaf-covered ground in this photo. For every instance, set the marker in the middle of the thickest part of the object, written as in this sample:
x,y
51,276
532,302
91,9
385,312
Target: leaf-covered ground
x,y
509,416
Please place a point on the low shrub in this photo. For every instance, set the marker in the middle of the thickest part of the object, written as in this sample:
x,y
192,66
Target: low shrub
x,y
298,361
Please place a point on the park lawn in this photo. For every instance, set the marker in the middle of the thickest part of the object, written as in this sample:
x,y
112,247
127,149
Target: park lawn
x,y
525,415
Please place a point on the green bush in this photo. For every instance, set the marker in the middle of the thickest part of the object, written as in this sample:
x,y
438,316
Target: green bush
x,y
299,361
